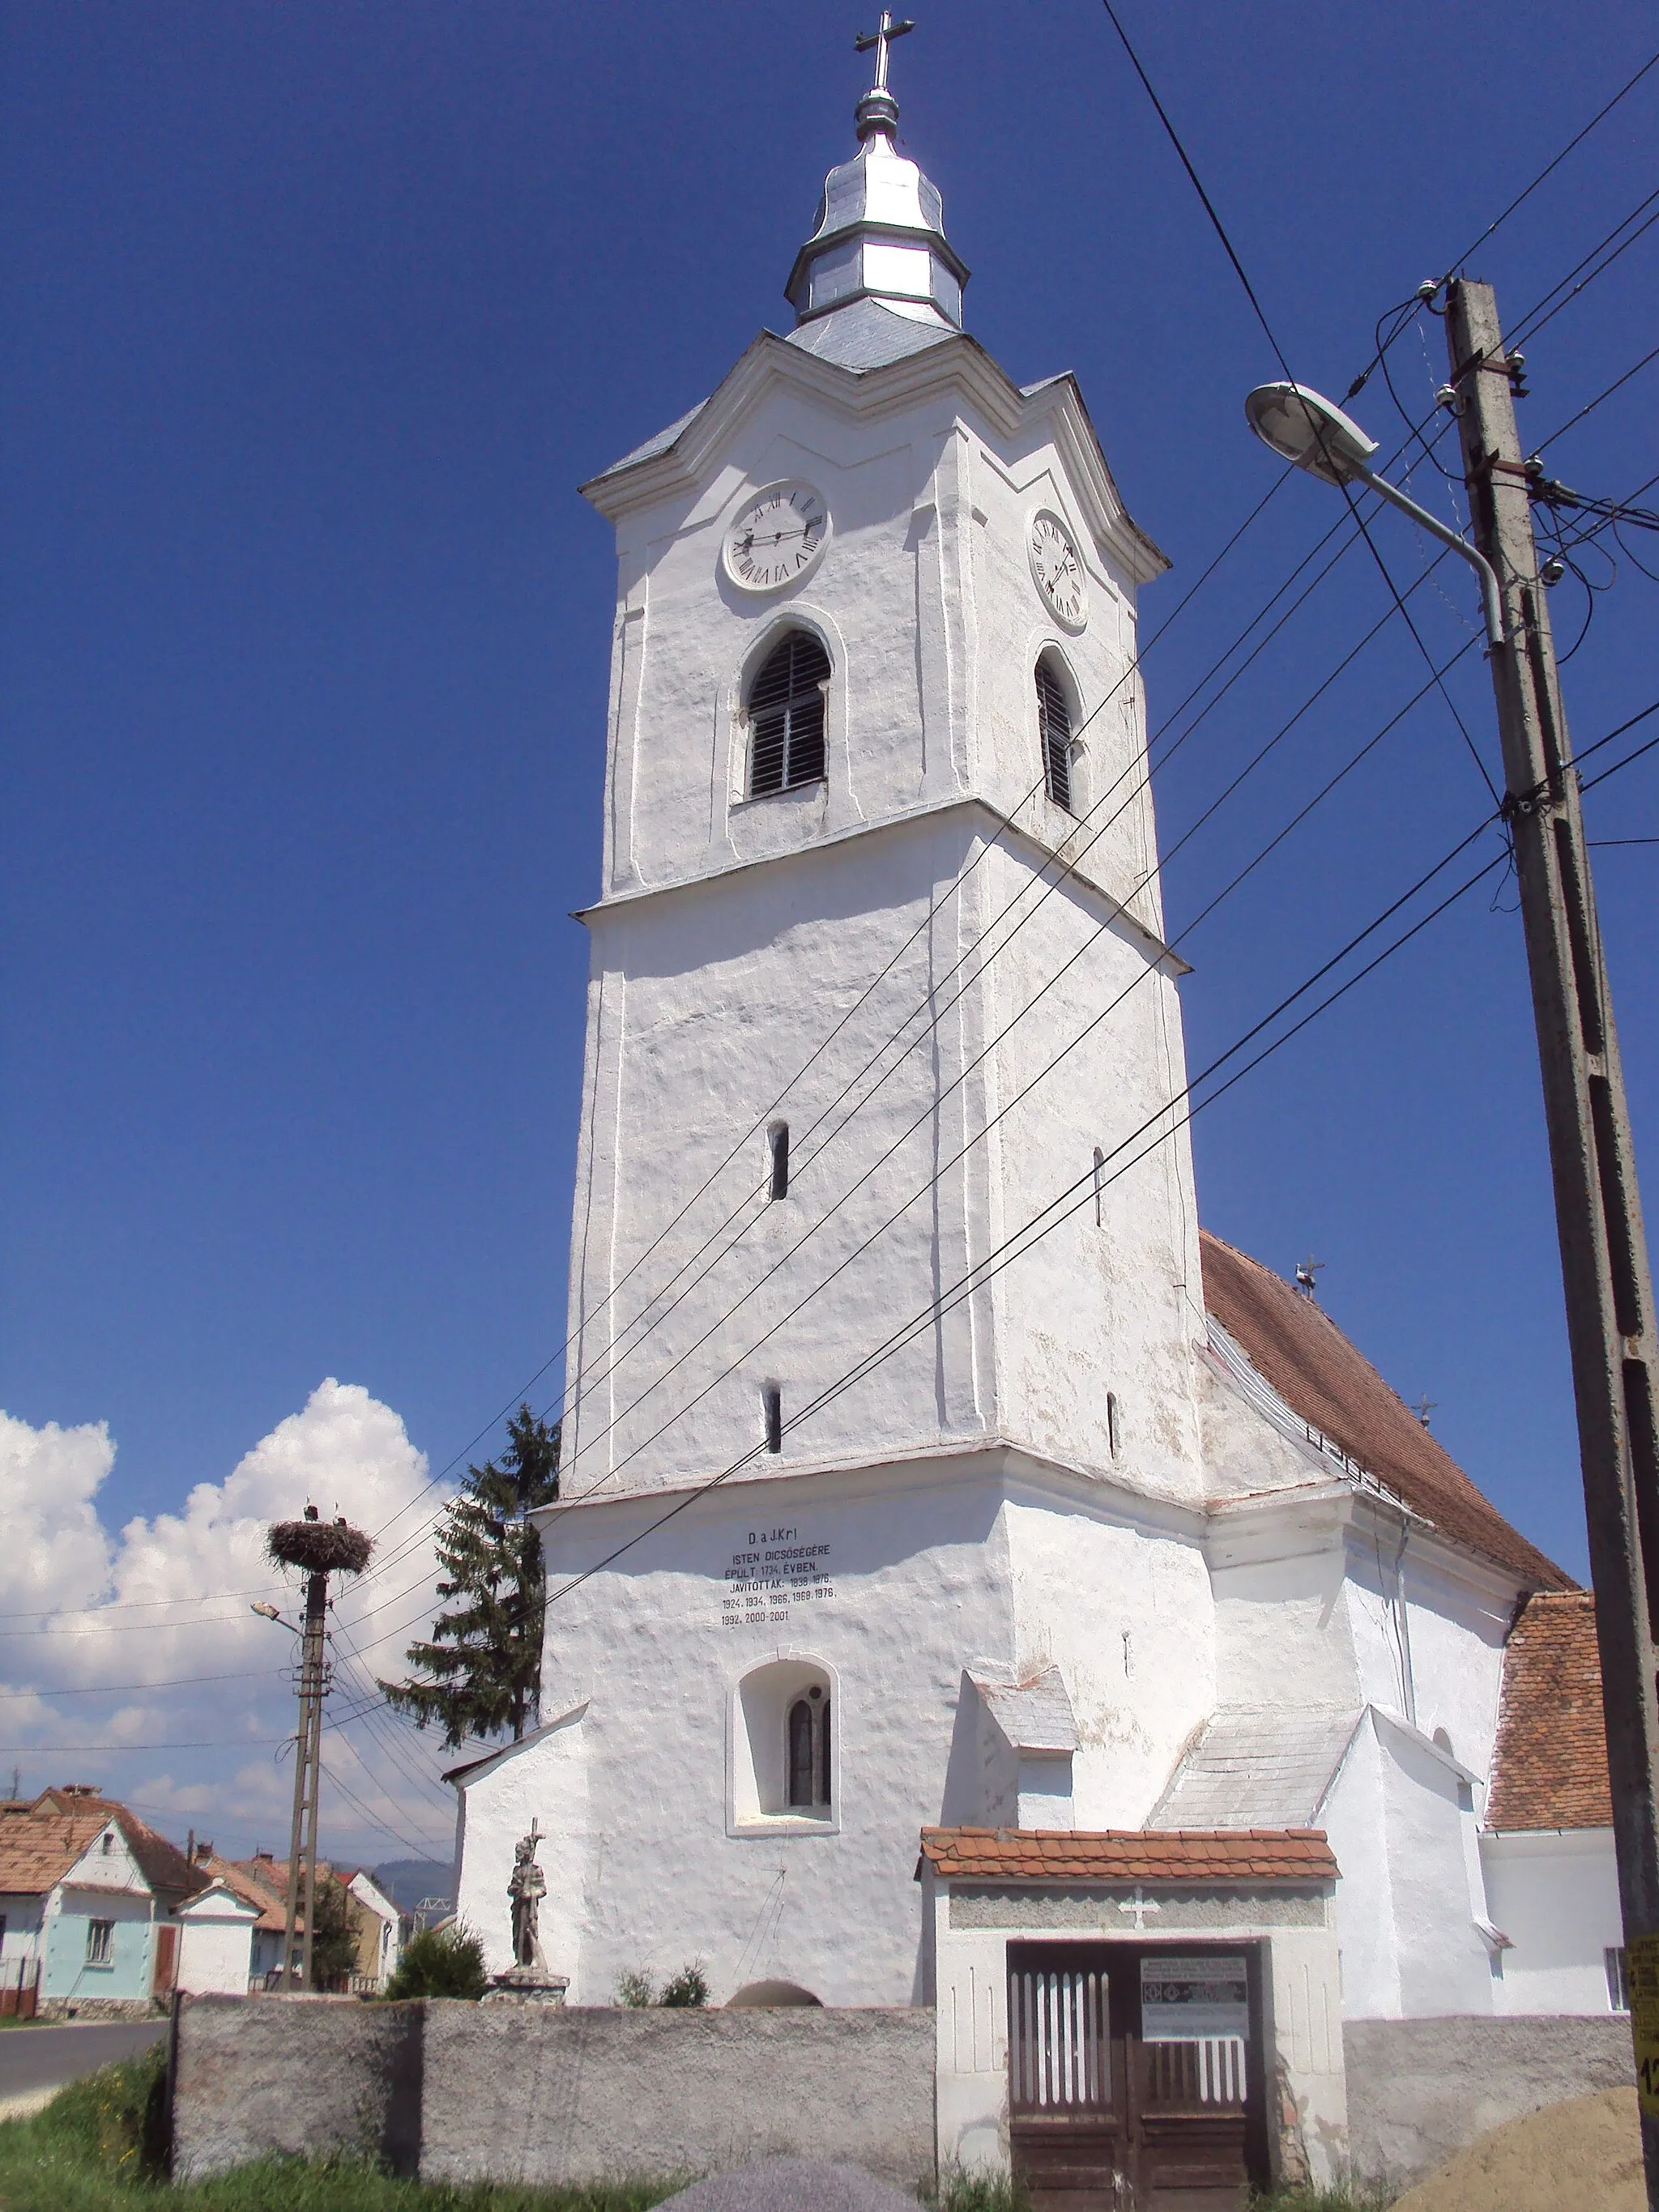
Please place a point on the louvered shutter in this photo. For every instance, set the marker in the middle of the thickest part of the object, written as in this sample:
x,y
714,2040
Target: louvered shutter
x,y
1054,721
785,716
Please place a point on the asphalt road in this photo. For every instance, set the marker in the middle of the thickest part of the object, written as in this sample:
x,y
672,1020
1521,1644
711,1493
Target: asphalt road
x,y
46,2057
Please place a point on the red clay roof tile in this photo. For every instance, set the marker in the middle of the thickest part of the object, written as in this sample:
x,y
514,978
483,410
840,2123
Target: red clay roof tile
x,y
1550,1762
1323,1379
1130,1855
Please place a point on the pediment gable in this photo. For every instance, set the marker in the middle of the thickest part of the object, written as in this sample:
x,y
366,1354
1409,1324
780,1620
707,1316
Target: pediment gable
x,y
686,458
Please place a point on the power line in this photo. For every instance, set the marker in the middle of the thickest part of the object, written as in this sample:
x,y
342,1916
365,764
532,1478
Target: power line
x,y
216,1743
966,1071
1591,406
1085,1183
982,1272
421,1850
141,1689
1428,290
1528,329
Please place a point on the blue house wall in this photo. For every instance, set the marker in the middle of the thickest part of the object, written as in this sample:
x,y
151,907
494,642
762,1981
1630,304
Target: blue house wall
x,y
68,1973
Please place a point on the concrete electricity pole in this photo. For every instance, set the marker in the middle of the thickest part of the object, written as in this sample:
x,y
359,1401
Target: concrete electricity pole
x,y
1604,1255
317,1547
308,1779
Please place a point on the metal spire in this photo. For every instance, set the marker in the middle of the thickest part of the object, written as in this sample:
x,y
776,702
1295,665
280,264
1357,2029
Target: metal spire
x,y
879,110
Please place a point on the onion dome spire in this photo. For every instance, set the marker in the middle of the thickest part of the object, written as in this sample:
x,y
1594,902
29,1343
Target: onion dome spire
x,y
880,228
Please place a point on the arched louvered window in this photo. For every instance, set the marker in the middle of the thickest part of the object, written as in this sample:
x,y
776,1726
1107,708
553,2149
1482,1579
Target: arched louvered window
x,y
786,715
809,1751
1054,723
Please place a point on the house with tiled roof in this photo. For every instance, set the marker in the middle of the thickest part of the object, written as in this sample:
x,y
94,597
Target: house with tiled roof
x,y
90,1899
973,1583
1551,1882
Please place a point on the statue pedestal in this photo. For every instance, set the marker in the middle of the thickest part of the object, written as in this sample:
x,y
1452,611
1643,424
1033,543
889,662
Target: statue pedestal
x,y
526,1985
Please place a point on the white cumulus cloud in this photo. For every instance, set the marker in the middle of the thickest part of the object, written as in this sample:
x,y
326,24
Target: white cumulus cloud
x,y
143,1636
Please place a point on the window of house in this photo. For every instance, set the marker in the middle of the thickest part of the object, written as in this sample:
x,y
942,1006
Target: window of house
x,y
1618,1990
1054,727
809,1751
786,715
777,1146
100,1942
109,1842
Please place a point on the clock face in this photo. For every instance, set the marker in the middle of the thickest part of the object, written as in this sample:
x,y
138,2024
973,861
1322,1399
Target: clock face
x,y
776,537
1058,571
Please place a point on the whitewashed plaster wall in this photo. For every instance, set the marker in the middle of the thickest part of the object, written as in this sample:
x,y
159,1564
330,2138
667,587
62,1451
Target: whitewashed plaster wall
x,y
1396,1818
966,1977
1136,1652
216,1946
1555,1895
708,998
931,1567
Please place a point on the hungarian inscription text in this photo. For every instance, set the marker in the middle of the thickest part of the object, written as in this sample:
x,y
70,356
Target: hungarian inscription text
x,y
772,1577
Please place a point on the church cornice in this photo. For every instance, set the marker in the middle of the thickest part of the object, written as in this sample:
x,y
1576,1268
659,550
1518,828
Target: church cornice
x,y
956,365
1163,955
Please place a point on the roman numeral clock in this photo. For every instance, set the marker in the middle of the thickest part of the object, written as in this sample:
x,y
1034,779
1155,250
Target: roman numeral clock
x,y
777,538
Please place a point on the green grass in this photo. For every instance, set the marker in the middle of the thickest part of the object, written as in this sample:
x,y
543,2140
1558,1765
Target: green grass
x,y
1317,2200
96,2148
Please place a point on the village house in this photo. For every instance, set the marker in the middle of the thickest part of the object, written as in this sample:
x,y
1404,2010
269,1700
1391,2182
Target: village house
x,y
90,1904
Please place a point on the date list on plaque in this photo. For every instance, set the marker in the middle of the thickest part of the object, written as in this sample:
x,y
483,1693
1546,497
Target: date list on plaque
x,y
774,1579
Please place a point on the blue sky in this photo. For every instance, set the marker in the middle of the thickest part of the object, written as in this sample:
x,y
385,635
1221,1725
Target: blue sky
x,y
317,316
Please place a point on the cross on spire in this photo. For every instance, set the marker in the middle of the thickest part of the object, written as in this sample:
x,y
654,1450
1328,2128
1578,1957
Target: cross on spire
x,y
882,40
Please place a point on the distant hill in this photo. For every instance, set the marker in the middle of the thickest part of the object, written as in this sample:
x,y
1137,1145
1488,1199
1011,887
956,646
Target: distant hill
x,y
407,1881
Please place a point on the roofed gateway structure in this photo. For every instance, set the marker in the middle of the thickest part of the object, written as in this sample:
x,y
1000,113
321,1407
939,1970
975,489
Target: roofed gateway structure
x,y
1107,1589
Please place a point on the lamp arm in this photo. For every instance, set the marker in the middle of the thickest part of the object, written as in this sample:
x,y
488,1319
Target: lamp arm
x,y
1490,597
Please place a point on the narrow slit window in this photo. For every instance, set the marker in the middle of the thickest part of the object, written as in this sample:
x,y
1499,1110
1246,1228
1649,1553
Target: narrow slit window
x,y
772,1400
777,1139
1114,1426
785,716
1055,726
809,1753
1100,1185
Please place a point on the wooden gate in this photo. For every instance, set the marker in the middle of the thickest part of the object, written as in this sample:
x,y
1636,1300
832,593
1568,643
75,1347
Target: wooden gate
x,y
167,1957
1104,2117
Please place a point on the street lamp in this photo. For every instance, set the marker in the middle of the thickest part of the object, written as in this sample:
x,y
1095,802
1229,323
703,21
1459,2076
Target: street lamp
x,y
1611,1326
1303,427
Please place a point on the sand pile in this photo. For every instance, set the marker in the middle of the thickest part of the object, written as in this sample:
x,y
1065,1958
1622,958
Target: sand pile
x,y
1585,2153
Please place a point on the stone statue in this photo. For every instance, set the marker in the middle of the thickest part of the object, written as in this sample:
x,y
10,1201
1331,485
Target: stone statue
x,y
525,1888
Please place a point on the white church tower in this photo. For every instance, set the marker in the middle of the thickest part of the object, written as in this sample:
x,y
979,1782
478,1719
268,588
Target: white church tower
x,y
881,1511
878,976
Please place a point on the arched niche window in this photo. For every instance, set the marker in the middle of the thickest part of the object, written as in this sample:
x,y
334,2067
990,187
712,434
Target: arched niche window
x,y
786,715
783,1769
1054,729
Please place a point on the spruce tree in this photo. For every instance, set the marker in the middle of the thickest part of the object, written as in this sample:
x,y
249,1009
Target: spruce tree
x,y
482,1663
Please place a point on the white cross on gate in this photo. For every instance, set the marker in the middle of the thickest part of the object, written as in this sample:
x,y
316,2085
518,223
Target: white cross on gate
x,y
1141,1904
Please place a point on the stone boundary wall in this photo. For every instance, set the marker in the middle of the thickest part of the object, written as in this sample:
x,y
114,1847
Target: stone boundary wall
x,y
1421,2089
457,2092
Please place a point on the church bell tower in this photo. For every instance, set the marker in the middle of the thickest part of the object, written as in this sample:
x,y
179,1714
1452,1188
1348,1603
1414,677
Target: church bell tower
x,y
878,965
876,1505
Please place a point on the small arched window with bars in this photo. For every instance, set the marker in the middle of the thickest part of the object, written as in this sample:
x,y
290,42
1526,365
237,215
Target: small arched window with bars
x,y
1054,727
786,715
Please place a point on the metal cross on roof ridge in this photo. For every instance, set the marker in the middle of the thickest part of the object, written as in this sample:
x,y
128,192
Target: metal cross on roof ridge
x,y
881,40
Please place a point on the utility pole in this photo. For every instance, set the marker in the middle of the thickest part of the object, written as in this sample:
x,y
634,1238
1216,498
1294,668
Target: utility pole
x,y
1604,1256
317,1547
308,1779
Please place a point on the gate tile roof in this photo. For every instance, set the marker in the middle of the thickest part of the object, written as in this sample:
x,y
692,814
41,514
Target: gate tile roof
x,y
1130,1855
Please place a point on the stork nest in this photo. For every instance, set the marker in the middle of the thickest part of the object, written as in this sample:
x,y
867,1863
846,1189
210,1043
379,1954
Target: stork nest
x,y
320,1547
